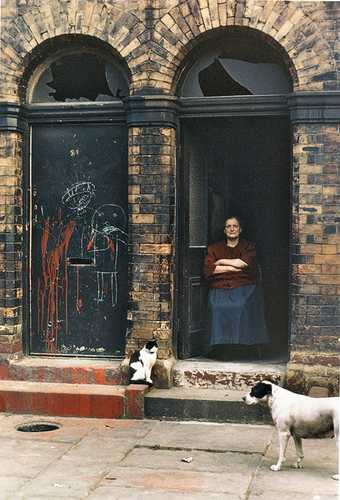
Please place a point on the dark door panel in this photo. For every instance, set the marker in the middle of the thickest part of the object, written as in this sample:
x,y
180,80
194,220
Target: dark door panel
x,y
197,314
78,239
193,306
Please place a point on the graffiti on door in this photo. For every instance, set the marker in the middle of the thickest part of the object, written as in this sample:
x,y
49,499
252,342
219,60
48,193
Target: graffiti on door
x,y
79,257
100,240
100,246
108,225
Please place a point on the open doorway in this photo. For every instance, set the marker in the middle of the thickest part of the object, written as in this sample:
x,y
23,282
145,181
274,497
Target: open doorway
x,y
235,166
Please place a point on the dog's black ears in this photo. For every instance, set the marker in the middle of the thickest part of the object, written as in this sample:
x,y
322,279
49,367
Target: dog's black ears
x,y
261,390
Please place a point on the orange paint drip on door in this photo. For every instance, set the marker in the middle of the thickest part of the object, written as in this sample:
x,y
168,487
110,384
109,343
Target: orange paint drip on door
x,y
53,272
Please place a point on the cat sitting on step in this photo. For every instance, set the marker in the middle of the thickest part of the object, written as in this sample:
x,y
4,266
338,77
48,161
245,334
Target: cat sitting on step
x,y
141,363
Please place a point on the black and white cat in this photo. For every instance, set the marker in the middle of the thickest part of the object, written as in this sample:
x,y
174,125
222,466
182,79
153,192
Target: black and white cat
x,y
142,362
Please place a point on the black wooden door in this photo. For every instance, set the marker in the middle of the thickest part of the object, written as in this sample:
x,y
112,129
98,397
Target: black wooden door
x,y
194,238
78,239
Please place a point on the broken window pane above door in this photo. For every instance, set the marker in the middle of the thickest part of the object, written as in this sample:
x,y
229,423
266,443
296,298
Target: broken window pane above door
x,y
80,77
235,64
219,76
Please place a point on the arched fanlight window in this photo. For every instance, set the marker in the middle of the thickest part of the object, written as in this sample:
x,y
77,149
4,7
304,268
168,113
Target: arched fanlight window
x,y
80,77
237,63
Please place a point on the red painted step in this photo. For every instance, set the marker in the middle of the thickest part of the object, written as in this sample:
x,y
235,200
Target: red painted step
x,y
72,400
63,370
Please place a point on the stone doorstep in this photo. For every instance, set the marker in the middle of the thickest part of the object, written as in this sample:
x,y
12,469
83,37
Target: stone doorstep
x,y
210,405
72,400
210,390
64,370
226,375
196,372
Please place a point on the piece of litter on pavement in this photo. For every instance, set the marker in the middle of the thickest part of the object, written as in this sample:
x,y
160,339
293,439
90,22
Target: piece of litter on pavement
x,y
187,460
57,485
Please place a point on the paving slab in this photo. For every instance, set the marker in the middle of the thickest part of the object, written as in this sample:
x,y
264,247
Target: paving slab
x,y
122,429
293,484
107,493
42,496
224,462
27,458
272,494
72,429
88,460
184,481
10,483
63,483
319,455
210,436
315,479
72,432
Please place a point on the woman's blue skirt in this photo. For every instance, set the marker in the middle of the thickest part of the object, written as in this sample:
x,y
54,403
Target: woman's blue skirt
x,y
236,316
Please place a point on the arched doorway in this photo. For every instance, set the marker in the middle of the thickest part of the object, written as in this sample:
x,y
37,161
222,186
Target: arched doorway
x,y
77,185
235,158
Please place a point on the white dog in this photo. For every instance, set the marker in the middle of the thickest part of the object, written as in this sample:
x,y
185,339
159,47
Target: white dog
x,y
297,416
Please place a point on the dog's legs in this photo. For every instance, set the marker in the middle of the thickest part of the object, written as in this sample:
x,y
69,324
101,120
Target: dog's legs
x,y
299,451
283,442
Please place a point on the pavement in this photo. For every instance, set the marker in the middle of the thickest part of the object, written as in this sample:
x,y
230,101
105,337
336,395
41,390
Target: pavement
x,y
101,459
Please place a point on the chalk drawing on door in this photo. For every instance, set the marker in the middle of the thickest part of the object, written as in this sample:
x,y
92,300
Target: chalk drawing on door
x,y
78,196
108,236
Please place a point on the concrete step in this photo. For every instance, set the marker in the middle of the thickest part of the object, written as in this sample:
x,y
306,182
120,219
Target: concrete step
x,y
72,400
210,405
63,370
227,375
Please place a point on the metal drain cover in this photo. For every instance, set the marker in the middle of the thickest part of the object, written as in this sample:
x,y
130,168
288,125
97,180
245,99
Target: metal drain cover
x,y
38,427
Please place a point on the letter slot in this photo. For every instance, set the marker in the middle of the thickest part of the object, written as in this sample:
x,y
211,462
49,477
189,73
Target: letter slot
x,y
79,261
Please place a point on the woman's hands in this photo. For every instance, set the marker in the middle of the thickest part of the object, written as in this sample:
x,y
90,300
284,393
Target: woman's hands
x,y
226,269
235,263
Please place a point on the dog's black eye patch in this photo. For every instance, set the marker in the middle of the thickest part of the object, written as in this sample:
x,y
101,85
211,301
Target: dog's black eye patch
x,y
261,390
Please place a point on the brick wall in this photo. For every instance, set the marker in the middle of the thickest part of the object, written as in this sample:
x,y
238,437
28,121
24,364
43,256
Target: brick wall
x,y
316,261
154,38
315,346
10,242
293,25
152,162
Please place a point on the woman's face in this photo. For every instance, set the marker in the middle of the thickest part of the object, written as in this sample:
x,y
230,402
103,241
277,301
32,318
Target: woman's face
x,y
232,229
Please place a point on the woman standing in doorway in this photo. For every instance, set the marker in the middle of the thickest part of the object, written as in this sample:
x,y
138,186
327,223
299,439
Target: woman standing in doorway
x,y
235,302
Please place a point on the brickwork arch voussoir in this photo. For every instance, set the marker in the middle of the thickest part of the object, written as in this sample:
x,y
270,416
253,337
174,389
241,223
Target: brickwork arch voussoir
x,y
23,36
286,23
